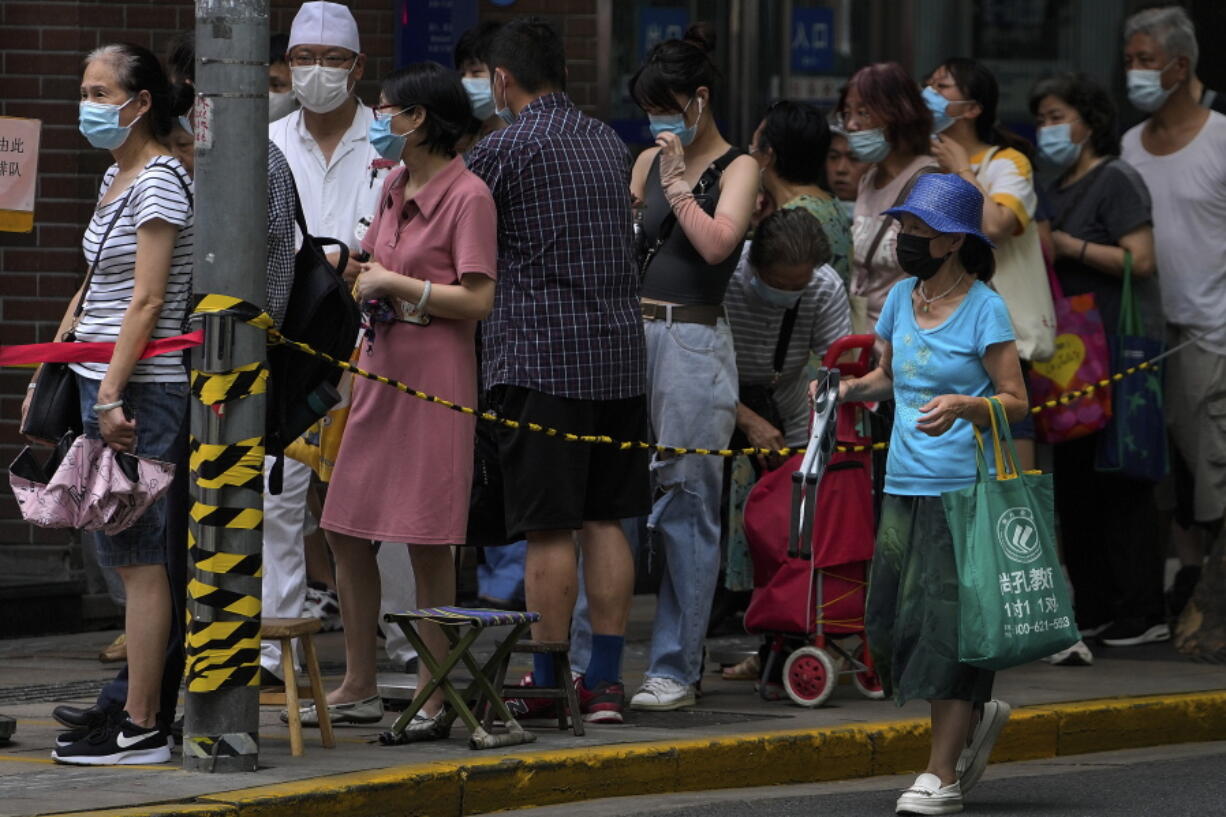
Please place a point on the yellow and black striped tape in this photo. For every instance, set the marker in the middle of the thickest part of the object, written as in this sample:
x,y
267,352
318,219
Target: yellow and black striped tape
x,y
239,465
223,639
223,654
242,308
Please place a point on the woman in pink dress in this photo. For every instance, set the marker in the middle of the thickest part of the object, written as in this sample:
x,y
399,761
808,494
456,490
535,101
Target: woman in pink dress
x,y
404,469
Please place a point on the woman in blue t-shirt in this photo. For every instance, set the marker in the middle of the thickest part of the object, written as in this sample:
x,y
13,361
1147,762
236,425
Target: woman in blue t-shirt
x,y
948,344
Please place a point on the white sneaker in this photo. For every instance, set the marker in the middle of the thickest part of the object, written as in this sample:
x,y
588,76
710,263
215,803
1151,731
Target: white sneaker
x,y
660,694
1078,655
928,796
974,758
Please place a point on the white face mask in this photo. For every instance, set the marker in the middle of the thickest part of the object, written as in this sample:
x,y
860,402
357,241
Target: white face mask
x,y
321,89
280,104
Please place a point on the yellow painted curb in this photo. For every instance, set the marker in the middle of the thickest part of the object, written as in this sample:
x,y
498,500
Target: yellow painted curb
x,y
483,783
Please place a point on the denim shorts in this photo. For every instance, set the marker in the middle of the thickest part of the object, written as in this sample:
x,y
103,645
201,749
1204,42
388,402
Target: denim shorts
x,y
158,409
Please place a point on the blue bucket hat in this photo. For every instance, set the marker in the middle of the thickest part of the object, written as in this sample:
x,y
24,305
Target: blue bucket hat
x,y
947,203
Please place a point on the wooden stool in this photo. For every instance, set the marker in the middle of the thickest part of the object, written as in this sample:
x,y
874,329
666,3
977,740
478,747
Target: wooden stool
x,y
286,630
565,694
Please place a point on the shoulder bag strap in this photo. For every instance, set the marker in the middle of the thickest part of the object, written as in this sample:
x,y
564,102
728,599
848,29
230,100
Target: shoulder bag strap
x,y
785,339
709,178
1130,319
885,226
89,276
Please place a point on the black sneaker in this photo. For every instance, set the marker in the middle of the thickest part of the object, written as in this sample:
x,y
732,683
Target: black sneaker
x,y
100,721
117,744
1132,634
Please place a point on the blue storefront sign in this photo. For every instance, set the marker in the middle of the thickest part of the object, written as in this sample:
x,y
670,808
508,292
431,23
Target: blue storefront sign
x,y
657,24
428,29
812,40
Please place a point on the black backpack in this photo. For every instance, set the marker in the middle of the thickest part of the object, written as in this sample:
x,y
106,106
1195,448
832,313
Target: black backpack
x,y
321,313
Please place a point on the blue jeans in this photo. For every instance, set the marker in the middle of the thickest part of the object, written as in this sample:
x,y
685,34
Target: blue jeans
x,y
159,409
501,576
692,396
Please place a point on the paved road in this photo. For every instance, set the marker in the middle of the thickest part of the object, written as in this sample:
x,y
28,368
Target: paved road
x,y
1172,781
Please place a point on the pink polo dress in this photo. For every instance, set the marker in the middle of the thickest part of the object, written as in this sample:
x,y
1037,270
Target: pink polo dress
x,y
404,470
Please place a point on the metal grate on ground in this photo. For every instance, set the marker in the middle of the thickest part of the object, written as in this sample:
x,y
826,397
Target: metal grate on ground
x,y
37,693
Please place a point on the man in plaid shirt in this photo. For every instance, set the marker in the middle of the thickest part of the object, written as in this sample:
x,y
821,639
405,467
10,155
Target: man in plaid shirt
x,y
564,348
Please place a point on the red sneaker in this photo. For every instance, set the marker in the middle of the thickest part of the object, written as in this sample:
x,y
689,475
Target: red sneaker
x,y
604,704
532,708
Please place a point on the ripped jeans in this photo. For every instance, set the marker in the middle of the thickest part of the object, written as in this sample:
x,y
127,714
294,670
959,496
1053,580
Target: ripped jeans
x,y
692,396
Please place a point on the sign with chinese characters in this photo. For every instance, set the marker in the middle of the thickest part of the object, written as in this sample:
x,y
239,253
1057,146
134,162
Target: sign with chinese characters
x,y
657,24
812,40
429,29
18,172
1031,603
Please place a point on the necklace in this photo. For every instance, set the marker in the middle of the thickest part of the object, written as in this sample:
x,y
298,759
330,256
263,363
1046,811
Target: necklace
x,y
923,294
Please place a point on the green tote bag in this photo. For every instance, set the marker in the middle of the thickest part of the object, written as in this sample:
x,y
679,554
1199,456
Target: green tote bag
x,y
1013,603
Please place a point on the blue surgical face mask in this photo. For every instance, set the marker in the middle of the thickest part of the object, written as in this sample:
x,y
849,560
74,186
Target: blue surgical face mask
x,y
675,123
504,113
938,105
1056,145
99,124
480,96
785,298
1145,89
869,145
387,144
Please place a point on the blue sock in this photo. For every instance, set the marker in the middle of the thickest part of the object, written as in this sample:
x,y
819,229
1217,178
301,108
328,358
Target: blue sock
x,y
542,671
606,660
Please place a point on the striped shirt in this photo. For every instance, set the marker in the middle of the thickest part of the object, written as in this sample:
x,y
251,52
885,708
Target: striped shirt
x,y
824,317
160,191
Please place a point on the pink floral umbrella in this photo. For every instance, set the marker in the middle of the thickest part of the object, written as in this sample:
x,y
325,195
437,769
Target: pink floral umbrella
x,y
88,486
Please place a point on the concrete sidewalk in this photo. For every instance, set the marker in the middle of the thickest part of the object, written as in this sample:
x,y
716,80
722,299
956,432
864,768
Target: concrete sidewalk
x,y
1130,697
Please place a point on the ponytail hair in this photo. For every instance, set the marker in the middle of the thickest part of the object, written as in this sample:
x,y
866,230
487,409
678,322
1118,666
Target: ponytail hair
x,y
977,84
977,258
677,67
137,69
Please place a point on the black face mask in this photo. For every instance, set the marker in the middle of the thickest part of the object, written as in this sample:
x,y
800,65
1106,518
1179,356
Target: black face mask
x,y
915,257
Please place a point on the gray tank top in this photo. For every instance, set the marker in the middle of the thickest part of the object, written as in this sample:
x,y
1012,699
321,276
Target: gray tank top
x,y
678,273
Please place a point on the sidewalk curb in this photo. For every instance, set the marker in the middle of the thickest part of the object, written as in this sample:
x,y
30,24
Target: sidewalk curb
x,y
482,784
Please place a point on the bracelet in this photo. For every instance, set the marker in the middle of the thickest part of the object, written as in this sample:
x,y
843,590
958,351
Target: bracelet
x,y
1081,259
420,309
107,406
32,386
963,170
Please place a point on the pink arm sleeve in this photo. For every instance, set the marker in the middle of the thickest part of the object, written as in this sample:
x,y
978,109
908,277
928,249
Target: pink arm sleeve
x,y
715,237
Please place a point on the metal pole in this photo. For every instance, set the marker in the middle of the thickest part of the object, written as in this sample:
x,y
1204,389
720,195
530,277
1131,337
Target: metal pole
x,y
221,732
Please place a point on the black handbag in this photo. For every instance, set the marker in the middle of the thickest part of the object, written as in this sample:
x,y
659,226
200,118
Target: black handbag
x,y
55,406
760,397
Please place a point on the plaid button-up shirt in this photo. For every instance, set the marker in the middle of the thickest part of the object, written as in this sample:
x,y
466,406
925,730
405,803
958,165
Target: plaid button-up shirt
x,y
566,315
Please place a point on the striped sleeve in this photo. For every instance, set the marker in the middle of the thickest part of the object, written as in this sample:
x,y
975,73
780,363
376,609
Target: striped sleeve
x,y
1009,179
158,193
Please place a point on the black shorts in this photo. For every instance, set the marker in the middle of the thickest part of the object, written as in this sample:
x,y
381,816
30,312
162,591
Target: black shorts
x,y
552,484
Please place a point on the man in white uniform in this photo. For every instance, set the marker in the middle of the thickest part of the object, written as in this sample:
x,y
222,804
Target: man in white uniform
x,y
338,175
1180,152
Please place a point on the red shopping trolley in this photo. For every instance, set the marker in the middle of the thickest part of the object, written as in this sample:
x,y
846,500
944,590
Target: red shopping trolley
x,y
810,528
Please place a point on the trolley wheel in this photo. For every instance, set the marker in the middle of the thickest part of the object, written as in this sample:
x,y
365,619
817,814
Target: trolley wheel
x,y
809,676
867,681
